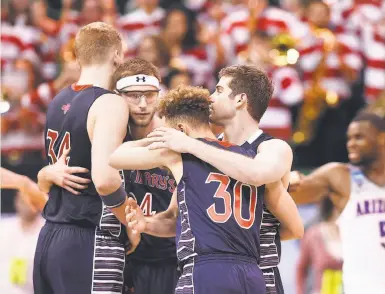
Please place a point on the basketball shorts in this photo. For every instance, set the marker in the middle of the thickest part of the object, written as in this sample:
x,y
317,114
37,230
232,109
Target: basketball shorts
x,y
150,278
220,275
75,260
273,281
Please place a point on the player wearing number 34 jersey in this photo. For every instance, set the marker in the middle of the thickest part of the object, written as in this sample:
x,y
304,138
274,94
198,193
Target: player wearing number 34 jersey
x,y
217,228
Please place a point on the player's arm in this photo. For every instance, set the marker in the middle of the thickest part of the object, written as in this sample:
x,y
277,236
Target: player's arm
x,y
142,158
107,126
318,184
159,225
31,193
62,175
279,202
272,162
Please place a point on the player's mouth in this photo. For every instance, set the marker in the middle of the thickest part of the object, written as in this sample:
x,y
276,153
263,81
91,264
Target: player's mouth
x,y
353,155
141,114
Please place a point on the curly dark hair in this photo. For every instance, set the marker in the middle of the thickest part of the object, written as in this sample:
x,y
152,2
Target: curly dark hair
x,y
187,104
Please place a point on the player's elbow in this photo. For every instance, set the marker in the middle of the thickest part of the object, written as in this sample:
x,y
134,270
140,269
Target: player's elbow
x,y
106,185
297,231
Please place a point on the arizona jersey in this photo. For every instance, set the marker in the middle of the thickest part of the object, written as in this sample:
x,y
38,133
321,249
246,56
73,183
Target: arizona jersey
x,y
217,214
362,230
270,238
153,190
66,126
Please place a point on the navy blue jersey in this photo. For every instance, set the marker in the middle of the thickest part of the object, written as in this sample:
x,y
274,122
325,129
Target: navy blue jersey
x,y
217,214
153,190
66,126
270,238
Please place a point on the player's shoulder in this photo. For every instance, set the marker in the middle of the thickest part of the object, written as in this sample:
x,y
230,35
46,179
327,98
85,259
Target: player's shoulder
x,y
274,145
336,167
109,101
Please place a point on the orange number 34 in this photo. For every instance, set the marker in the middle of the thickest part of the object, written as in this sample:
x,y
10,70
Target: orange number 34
x,y
65,143
234,208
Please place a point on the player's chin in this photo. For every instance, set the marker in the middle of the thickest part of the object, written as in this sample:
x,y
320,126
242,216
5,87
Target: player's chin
x,y
142,120
355,160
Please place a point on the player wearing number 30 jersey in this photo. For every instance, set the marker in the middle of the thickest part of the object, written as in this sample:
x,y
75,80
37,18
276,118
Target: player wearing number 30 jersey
x,y
217,228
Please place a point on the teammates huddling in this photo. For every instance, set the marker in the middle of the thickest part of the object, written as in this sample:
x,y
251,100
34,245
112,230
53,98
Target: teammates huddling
x,y
230,207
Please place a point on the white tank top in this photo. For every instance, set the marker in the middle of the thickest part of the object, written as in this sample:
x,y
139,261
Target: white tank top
x,y
362,229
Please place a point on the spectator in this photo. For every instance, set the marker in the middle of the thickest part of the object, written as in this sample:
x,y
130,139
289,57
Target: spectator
x,y
321,252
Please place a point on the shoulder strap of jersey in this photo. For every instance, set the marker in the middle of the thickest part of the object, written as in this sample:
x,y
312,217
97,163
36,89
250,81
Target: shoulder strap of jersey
x,y
262,138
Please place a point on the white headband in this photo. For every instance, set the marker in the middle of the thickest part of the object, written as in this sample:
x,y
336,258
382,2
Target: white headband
x,y
137,80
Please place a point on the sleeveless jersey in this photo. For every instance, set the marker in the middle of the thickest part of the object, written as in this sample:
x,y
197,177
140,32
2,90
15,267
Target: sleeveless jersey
x,y
217,214
153,190
362,230
66,126
270,238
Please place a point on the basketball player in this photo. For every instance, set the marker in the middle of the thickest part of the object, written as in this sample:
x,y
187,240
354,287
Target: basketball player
x,y
238,103
358,190
81,247
218,239
30,192
153,265
152,268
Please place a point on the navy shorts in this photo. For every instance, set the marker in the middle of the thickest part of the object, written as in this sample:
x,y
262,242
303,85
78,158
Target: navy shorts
x,y
75,260
150,278
221,275
273,281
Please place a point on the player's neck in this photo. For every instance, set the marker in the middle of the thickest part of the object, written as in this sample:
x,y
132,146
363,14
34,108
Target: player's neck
x,y
138,132
202,133
97,75
240,129
376,168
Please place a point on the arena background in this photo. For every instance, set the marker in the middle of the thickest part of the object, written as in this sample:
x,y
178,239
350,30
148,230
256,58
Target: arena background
x,y
326,60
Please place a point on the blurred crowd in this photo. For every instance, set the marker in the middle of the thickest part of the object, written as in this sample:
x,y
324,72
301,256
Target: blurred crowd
x,y
326,60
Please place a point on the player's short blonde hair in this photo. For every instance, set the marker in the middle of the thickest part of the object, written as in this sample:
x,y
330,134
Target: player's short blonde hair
x,y
186,104
95,42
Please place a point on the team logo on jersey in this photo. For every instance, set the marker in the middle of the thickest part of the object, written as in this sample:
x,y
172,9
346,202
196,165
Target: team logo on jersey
x,y
65,108
143,79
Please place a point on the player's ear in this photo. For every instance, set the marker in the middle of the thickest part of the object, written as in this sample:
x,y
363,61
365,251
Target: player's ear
x,y
181,127
118,58
241,100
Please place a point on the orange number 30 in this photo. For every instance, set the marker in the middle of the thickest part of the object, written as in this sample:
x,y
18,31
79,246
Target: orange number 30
x,y
236,207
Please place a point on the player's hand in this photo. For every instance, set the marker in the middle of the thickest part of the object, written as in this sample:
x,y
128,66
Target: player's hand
x,y
170,138
295,180
62,175
135,219
134,238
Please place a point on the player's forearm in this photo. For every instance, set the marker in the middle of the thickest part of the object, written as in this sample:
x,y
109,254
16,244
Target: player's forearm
x,y
287,234
120,213
308,191
251,171
161,225
10,180
282,206
44,179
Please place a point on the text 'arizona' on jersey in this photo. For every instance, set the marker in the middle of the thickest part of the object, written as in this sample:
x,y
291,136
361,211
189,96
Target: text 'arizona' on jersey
x,y
66,127
217,214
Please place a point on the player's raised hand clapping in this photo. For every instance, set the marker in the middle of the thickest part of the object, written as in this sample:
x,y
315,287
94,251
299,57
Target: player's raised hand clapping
x,y
170,138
